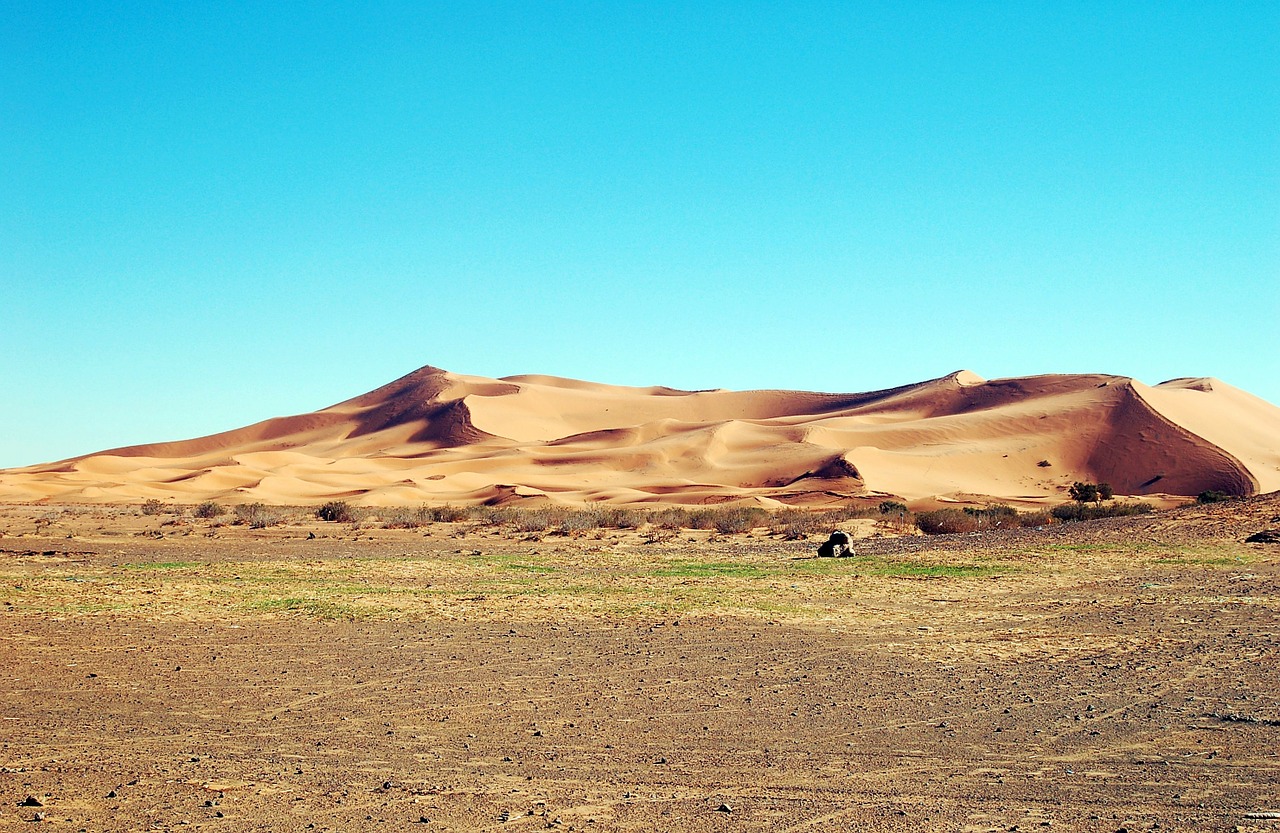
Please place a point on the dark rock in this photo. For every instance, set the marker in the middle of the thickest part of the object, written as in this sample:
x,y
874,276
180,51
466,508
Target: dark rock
x,y
31,801
836,546
1266,536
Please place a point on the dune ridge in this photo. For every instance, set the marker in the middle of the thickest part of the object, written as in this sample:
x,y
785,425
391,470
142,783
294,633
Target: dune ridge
x,y
434,436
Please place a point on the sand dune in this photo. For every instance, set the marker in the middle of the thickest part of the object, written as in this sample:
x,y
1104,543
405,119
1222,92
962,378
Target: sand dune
x,y
435,437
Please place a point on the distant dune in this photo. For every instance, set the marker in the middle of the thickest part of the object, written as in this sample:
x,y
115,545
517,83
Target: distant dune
x,y
439,437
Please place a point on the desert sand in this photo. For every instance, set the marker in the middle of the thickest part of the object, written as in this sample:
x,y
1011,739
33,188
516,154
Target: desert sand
x,y
440,437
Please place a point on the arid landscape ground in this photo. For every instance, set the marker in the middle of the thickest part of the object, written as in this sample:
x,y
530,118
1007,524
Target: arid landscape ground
x,y
164,672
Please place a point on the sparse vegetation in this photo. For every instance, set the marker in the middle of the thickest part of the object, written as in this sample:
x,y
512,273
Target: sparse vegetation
x,y
337,511
257,515
1090,492
405,518
207,510
1083,512
947,521
153,507
739,519
1212,496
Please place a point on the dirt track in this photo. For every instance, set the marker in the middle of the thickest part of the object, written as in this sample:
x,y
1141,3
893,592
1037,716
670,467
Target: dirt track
x,y
1083,690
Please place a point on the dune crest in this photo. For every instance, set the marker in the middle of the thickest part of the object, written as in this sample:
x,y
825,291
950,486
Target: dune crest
x,y
433,436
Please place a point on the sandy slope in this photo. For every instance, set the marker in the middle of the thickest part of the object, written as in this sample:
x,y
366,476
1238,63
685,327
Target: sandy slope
x,y
435,436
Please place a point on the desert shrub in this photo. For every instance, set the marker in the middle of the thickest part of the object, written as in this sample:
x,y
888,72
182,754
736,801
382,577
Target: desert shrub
x,y
1044,464
449,513
1090,492
1081,512
946,521
891,507
613,517
739,519
794,524
675,517
257,516
1212,496
153,507
702,519
1083,492
996,516
1041,518
405,518
208,509
494,515
578,521
337,511
534,520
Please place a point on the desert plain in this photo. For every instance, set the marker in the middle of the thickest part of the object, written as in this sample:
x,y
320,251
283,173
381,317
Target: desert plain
x,y
169,672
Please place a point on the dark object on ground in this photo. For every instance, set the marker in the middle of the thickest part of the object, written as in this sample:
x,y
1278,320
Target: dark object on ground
x,y
1266,536
837,546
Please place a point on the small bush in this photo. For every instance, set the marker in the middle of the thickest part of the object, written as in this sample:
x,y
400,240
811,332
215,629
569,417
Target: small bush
x,y
577,522
702,519
449,513
208,509
996,516
153,507
892,507
1044,464
1090,492
1042,518
615,518
534,520
494,515
674,518
1081,512
946,522
339,511
405,518
738,519
1212,496
257,516
796,524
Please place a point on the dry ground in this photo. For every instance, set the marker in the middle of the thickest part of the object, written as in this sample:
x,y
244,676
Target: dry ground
x,y
165,673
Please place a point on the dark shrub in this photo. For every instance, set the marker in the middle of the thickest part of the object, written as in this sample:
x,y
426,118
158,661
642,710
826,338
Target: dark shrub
x,y
208,509
1084,492
336,511
153,507
946,521
1212,496
1081,512
892,507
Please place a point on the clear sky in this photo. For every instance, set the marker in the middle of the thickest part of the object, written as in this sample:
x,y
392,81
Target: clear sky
x,y
215,213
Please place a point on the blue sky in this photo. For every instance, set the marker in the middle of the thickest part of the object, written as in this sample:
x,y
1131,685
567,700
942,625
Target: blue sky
x,y
214,213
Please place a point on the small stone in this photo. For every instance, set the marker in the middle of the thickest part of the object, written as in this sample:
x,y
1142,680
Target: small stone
x,y
112,794
724,808
31,801
40,816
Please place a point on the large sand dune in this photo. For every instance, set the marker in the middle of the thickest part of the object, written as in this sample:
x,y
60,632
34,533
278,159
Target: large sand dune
x,y
436,437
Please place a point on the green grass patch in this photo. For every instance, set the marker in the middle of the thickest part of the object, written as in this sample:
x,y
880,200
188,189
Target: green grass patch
x,y
702,569
161,565
315,608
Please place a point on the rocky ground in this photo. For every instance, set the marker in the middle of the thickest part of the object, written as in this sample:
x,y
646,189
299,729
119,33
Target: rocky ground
x,y
165,674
